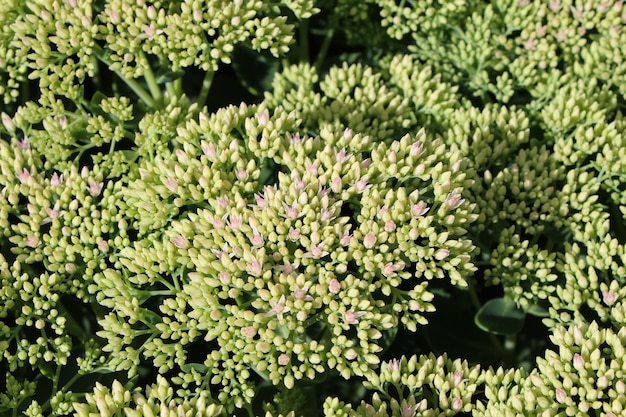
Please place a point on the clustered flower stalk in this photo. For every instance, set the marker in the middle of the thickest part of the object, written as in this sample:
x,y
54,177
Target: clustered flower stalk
x,y
166,250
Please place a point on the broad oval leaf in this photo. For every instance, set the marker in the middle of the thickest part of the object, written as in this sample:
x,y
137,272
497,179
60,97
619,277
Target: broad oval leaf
x,y
538,310
500,316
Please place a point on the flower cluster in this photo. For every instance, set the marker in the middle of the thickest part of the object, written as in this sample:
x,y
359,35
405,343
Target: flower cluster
x,y
436,160
159,399
286,277
586,375
62,43
425,386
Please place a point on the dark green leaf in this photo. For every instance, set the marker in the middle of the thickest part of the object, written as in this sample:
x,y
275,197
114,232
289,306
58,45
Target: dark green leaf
x,y
102,370
269,172
165,75
255,70
198,367
537,310
451,330
500,316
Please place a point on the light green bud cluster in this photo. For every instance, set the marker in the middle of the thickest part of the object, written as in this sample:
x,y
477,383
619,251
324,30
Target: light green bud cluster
x,y
61,43
592,280
498,50
585,375
283,277
424,385
397,21
159,399
402,95
58,230
54,41
257,249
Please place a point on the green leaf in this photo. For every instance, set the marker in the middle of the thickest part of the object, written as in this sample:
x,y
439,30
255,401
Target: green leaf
x,y
46,370
451,329
537,310
500,316
269,172
165,75
255,70
102,370
198,367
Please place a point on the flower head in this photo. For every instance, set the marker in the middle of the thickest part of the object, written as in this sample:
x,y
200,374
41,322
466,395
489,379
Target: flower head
x,y
278,308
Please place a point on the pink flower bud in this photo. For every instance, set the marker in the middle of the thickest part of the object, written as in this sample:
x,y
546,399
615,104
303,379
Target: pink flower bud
x,y
171,184
103,245
419,209
294,234
56,180
457,377
180,242
23,144
416,149
457,404
369,240
352,317
390,226
32,241
95,188
579,362
248,331
24,176
223,202
351,354
224,277
361,185
561,395
255,267
609,297
263,117
242,174
394,365
454,200
114,17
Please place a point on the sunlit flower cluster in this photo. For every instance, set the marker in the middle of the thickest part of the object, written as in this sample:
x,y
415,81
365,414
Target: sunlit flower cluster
x,y
200,255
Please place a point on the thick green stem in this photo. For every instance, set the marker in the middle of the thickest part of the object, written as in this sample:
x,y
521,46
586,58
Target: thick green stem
x,y
206,86
46,406
477,305
321,56
139,90
134,85
155,90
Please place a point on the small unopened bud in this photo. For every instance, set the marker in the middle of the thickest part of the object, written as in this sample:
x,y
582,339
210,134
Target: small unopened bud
x,y
8,123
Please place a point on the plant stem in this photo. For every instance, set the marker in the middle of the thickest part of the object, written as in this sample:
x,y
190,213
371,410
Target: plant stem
x,y
248,408
134,85
139,90
206,86
477,305
321,56
155,90
55,383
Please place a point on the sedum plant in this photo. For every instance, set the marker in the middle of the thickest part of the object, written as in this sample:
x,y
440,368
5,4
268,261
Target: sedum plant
x,y
306,208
